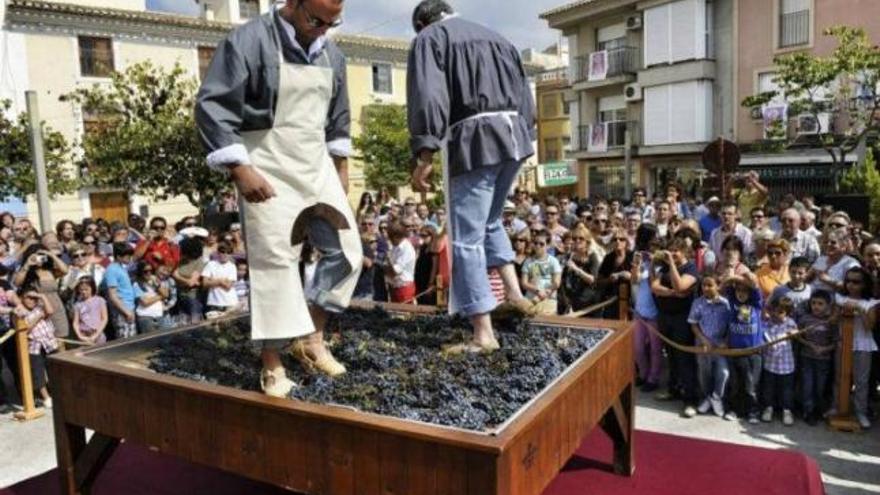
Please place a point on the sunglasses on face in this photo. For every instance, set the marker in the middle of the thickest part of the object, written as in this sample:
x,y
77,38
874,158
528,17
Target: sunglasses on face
x,y
552,213
621,239
837,225
539,244
600,220
78,255
89,243
159,227
316,22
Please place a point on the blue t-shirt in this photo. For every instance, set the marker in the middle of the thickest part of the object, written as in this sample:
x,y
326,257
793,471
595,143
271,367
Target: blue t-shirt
x,y
117,277
745,329
707,225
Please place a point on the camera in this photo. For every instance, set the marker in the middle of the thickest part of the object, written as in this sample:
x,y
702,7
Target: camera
x,y
41,259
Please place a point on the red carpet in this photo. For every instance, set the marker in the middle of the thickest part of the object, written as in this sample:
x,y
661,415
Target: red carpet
x,y
665,464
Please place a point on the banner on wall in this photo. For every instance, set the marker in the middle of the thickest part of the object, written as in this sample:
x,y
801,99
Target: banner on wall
x,y
598,138
598,66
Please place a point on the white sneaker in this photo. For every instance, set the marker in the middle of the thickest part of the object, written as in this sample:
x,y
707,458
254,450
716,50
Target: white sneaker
x,y
275,382
47,403
730,416
704,406
864,422
767,415
717,406
689,412
787,417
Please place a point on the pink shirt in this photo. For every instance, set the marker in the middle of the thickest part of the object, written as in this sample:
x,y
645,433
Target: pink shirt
x,y
89,312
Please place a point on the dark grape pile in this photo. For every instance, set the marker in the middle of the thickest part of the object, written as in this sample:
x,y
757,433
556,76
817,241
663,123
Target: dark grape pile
x,y
395,366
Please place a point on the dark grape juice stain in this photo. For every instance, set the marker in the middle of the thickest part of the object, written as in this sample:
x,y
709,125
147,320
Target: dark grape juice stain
x,y
395,366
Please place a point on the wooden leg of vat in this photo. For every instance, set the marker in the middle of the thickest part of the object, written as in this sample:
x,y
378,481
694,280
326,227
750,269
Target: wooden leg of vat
x,y
93,459
70,441
79,462
618,424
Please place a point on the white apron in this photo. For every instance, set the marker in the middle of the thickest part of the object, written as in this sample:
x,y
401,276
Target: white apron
x,y
293,157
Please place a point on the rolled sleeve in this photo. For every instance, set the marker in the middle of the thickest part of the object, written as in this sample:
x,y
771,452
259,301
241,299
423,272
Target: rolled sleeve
x,y
221,159
427,94
220,105
340,147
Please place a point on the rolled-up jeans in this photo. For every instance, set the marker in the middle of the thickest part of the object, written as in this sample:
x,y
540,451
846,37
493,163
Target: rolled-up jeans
x,y
477,236
331,269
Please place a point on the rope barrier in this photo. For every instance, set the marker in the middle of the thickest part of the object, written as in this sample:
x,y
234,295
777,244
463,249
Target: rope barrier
x,y
415,297
726,352
592,309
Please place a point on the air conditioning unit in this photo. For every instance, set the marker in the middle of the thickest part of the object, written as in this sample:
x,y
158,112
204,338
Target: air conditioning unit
x,y
807,124
634,22
632,92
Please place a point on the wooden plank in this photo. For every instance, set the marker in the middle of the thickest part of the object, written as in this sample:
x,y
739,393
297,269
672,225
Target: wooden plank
x,y
338,465
392,466
481,475
452,471
421,474
160,420
366,458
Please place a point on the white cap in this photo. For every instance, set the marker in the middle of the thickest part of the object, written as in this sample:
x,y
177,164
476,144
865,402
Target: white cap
x,y
194,232
509,206
713,199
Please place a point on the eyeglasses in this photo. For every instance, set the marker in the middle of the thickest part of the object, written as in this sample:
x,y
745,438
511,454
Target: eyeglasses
x,y
774,253
159,227
78,255
756,217
600,220
89,243
316,22
383,227
552,213
424,234
367,224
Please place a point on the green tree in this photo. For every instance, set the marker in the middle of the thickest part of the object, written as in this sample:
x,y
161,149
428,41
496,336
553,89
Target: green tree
x,y
17,178
844,84
865,179
383,146
147,141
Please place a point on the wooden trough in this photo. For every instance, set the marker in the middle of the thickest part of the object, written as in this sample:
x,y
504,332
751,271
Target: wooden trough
x,y
320,449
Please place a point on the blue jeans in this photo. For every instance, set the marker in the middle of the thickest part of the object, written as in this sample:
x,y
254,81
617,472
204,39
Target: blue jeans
x,y
478,238
814,380
713,375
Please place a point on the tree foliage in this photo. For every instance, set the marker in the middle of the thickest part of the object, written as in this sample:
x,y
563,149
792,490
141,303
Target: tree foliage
x,y
383,145
844,84
865,179
17,178
147,141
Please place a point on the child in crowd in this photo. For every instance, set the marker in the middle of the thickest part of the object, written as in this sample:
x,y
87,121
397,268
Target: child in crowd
x,y
219,278
856,297
33,315
167,284
744,331
542,275
708,317
777,382
89,312
242,284
797,289
400,266
816,353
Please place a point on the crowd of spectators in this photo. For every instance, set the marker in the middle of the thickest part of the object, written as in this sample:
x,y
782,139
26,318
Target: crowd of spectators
x,y
738,273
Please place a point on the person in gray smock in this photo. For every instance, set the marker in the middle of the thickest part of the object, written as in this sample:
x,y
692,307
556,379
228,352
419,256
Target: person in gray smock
x,y
273,113
468,96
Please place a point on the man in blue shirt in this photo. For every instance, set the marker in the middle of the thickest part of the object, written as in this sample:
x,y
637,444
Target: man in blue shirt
x,y
120,293
711,220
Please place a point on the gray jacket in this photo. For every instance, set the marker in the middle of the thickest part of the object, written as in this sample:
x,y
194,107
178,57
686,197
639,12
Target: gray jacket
x,y
240,91
458,69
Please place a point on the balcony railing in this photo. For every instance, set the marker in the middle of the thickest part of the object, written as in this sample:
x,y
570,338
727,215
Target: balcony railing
x,y
621,60
616,135
794,29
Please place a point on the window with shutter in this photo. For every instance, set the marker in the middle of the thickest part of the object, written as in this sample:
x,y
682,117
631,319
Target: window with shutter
x,y
678,113
676,32
382,82
95,56
794,22
656,35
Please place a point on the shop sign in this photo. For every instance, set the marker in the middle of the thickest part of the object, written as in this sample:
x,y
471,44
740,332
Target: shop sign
x,y
557,174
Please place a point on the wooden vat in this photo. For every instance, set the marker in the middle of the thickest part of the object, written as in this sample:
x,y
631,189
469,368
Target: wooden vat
x,y
319,449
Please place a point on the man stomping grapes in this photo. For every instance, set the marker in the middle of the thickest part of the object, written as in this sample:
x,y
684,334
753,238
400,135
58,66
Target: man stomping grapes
x,y
477,109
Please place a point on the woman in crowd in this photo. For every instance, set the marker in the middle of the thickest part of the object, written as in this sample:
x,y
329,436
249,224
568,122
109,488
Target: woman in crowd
x,y
150,309
829,269
580,274
614,272
90,249
365,205
774,272
80,266
66,231
41,271
426,266
188,276
520,243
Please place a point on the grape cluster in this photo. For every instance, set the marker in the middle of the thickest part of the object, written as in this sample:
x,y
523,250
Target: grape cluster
x,y
395,366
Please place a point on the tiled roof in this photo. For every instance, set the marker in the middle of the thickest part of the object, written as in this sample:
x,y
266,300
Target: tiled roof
x,y
566,7
117,14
